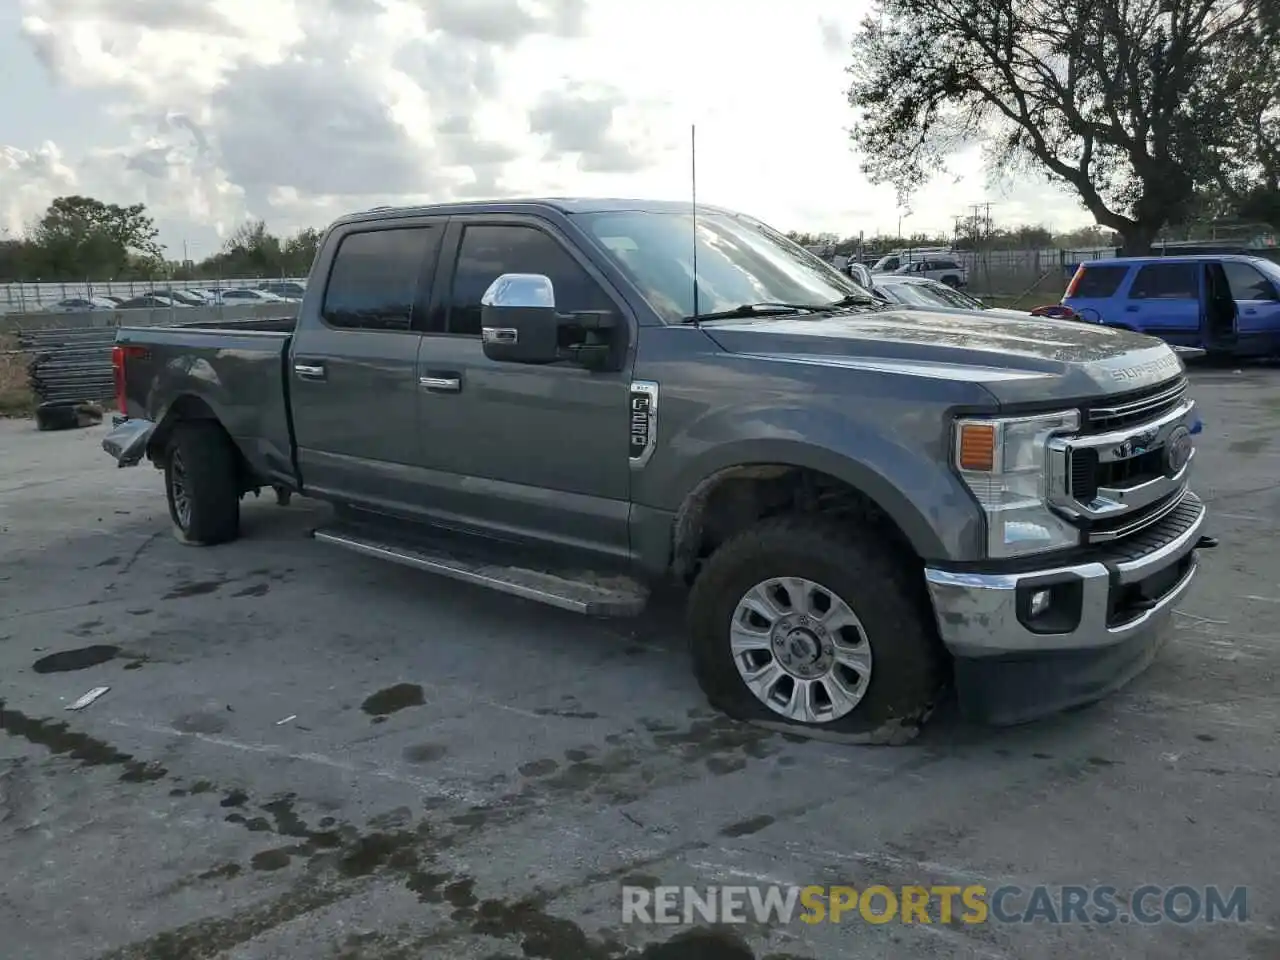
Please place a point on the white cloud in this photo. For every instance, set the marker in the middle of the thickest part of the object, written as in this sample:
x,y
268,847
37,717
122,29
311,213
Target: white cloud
x,y
298,110
28,180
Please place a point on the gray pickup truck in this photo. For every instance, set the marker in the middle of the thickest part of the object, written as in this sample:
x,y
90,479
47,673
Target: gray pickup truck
x,y
575,401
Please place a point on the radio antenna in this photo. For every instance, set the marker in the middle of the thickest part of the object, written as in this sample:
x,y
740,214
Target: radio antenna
x,y
693,179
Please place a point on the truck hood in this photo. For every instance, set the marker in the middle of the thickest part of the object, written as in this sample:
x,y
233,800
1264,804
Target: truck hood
x,y
1018,359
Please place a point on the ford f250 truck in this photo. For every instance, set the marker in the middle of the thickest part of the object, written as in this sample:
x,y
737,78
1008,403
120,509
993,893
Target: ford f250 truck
x,y
574,401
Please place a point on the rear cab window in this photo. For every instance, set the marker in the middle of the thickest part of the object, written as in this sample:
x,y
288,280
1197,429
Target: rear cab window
x,y
375,277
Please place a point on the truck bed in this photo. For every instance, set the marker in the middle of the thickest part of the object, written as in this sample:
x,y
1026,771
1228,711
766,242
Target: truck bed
x,y
235,368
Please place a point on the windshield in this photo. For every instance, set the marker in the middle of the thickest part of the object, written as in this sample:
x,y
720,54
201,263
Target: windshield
x,y
932,295
1269,267
740,261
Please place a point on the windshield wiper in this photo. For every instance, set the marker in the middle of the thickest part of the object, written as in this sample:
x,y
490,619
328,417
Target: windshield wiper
x,y
855,300
769,308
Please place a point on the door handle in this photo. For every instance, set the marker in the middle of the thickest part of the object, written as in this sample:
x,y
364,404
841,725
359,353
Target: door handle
x,y
441,382
1130,309
309,371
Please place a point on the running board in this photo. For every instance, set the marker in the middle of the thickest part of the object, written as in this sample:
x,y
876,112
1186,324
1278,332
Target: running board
x,y
586,594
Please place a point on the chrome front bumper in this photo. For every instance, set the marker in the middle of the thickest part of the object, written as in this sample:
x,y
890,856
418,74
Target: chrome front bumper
x,y
1117,594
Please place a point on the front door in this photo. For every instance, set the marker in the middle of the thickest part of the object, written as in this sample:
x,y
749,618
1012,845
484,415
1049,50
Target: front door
x,y
1256,298
353,370
540,452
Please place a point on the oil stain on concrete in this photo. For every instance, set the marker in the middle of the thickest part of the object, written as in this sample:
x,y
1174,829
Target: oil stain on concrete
x,y
393,698
78,659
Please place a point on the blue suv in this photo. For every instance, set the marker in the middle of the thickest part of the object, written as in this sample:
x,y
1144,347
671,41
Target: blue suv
x,y
1222,304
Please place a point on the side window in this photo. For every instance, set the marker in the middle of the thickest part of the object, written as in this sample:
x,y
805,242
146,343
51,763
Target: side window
x,y
374,279
1100,282
1166,281
1247,282
489,250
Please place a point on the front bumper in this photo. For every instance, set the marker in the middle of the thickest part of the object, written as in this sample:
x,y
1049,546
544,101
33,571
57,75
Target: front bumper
x,y
1112,606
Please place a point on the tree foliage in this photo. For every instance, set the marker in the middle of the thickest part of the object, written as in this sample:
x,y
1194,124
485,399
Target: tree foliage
x,y
81,233
1123,101
80,238
1248,161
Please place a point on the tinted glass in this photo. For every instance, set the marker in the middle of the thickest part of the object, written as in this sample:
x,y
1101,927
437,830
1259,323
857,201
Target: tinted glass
x,y
739,260
1100,281
1166,281
489,250
374,279
1247,282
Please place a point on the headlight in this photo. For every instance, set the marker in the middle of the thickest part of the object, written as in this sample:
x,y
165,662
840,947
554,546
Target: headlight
x,y
1003,461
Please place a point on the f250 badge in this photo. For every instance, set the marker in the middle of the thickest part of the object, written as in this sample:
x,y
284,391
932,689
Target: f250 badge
x,y
644,421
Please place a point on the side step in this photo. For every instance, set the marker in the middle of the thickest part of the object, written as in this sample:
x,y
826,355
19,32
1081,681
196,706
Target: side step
x,y
578,592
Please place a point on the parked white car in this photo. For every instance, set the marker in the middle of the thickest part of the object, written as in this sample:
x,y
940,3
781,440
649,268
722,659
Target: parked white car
x,y
243,295
934,295
944,269
80,305
897,258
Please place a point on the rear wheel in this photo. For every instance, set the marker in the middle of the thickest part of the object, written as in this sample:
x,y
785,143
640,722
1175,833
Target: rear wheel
x,y
800,624
200,473
952,281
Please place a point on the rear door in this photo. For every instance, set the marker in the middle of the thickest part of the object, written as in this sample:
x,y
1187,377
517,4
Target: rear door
x,y
353,372
1164,299
1256,297
540,452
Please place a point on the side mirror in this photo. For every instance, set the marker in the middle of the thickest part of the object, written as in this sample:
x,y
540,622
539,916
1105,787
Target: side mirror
x,y
518,320
519,324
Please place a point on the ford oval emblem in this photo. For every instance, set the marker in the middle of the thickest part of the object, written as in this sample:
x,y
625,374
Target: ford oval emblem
x,y
1177,449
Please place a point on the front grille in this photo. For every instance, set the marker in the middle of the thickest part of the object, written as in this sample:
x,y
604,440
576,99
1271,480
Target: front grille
x,y
1164,531
1137,406
1131,523
1088,474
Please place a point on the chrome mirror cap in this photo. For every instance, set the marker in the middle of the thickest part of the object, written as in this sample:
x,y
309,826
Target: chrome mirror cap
x,y
520,290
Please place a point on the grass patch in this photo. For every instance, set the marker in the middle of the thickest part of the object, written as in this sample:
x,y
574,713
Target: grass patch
x,y
16,398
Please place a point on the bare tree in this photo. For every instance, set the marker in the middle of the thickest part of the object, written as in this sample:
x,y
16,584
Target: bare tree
x,y
1102,96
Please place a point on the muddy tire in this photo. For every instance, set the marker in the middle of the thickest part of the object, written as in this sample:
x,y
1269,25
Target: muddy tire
x,y
821,630
200,479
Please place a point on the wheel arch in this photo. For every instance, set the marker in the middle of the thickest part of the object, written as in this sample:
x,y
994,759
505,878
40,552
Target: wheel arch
x,y
733,497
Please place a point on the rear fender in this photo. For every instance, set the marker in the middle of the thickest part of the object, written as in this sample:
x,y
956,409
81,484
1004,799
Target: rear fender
x,y
185,407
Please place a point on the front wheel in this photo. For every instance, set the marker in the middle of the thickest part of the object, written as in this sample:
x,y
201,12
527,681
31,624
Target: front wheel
x,y
821,630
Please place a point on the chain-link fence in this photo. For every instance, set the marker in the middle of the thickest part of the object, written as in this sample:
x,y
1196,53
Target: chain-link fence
x,y
36,297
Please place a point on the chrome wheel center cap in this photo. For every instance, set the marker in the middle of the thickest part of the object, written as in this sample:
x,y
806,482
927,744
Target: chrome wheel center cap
x,y
802,647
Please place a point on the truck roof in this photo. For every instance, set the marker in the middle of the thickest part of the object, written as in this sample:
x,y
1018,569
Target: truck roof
x,y
565,205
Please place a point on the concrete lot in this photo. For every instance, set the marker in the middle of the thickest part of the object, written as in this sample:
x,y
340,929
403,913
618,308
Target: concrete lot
x,y
306,753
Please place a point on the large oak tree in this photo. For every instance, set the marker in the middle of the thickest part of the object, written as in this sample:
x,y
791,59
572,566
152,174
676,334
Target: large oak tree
x,y
1125,102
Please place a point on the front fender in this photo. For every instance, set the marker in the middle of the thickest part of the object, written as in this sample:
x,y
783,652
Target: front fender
x,y
909,481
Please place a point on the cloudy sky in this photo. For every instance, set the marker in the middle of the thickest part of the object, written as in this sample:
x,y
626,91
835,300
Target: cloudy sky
x,y
295,111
